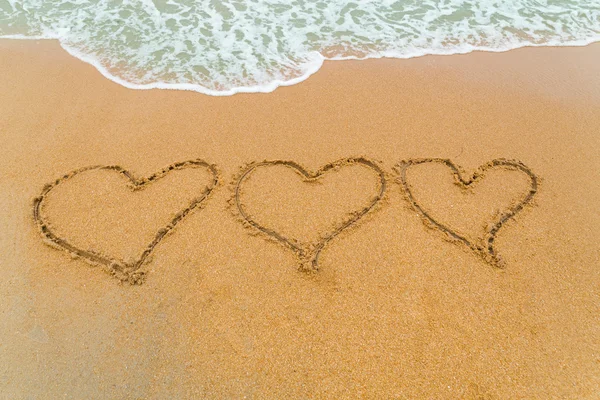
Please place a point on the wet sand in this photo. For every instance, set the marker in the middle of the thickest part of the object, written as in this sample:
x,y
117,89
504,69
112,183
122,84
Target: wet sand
x,y
230,303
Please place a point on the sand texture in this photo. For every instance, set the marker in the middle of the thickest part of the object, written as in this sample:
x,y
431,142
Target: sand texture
x,y
387,229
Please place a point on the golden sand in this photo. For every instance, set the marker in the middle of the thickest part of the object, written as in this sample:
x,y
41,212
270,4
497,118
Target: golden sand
x,y
318,277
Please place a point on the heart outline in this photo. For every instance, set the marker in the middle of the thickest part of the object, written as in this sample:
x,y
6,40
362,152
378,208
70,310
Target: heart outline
x,y
487,251
122,270
310,252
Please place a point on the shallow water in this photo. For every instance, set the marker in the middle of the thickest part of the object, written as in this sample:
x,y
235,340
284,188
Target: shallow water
x,y
222,47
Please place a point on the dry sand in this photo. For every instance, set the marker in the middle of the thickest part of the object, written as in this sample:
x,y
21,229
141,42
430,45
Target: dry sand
x,y
394,310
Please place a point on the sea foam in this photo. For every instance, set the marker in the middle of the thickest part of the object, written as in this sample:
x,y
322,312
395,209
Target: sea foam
x,y
223,47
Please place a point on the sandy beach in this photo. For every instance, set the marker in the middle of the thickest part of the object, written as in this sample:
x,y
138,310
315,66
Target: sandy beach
x,y
310,275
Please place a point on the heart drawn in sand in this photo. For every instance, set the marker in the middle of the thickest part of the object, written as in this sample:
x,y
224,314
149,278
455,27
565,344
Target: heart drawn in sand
x,y
483,246
125,271
308,253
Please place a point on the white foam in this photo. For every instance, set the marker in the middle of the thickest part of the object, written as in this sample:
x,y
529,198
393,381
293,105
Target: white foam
x,y
265,88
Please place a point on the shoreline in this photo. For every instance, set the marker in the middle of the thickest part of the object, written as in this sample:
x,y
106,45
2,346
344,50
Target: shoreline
x,y
272,86
394,311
